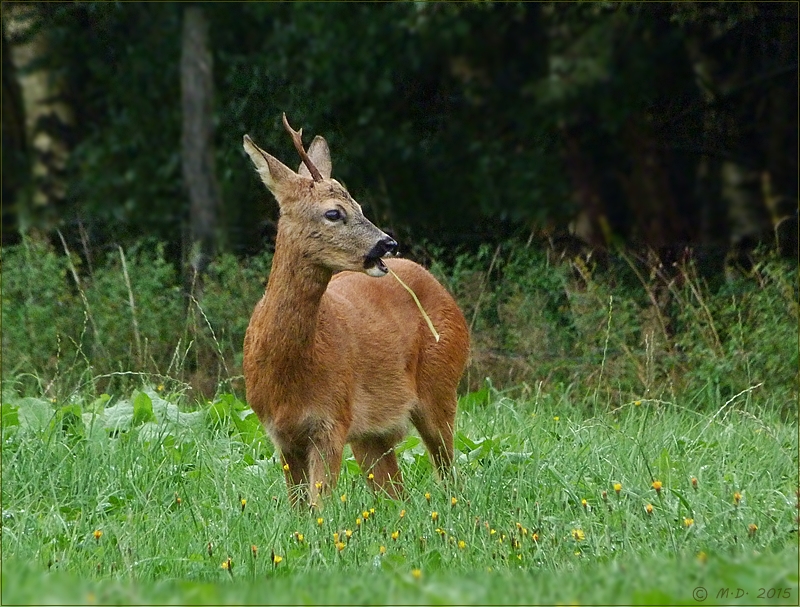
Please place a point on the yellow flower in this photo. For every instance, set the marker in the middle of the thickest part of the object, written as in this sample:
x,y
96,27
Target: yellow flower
x,y
254,550
276,558
440,531
340,546
462,544
365,514
343,498
318,485
584,503
535,537
578,535
556,418
286,467
453,501
427,496
402,513
694,482
751,529
688,522
160,387
372,510
416,573
737,497
227,564
492,532
649,508
335,538
702,557
299,536
98,533
434,516
358,522
348,533
370,476
320,520
243,501
382,549
657,486
617,488
637,403
395,535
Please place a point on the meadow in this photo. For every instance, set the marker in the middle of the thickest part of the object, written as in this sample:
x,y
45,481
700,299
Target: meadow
x,y
608,450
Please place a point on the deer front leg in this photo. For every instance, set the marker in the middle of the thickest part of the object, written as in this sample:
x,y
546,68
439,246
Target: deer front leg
x,y
296,474
324,466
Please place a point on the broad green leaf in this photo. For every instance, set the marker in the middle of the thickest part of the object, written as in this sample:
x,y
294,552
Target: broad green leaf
x,y
34,413
142,409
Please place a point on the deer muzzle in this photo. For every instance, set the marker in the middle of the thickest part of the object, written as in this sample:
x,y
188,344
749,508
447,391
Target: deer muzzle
x,y
373,262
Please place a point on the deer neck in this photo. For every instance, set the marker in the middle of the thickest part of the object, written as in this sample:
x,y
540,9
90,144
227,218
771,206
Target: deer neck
x,y
291,304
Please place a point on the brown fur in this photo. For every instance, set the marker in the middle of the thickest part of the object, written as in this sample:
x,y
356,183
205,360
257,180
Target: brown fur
x,y
331,359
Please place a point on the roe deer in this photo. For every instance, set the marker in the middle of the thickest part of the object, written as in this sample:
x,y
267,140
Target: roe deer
x,y
332,354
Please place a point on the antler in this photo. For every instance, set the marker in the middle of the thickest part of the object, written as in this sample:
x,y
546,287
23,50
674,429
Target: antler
x,y
297,138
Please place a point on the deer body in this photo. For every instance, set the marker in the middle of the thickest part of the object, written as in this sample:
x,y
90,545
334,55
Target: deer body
x,y
335,358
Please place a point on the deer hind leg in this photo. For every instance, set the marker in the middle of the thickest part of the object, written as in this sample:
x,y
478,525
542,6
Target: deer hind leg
x,y
376,457
434,419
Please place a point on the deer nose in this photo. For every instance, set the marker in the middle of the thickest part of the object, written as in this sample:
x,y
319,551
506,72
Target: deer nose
x,y
388,244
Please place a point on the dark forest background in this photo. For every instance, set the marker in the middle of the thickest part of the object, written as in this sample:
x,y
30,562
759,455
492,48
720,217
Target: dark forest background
x,y
666,128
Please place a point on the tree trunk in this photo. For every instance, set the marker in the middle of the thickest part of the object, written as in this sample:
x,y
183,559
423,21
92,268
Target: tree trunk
x,y
197,152
16,167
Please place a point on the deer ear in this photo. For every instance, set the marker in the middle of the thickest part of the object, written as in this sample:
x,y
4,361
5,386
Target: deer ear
x,y
273,172
320,156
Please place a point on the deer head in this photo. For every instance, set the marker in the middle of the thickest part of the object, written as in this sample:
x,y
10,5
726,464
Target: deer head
x,y
317,214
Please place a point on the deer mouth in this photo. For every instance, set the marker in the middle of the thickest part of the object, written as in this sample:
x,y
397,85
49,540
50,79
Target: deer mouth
x,y
374,266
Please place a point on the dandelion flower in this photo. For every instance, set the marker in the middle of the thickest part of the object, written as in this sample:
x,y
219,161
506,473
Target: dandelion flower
x,y
649,508
227,564
395,535
657,486
462,544
535,537
372,510
382,549
427,496
702,557
402,513
737,497
417,573
358,522
434,516
370,477
453,501
688,522
276,558
243,502
320,520
160,387
299,536
751,529
318,485
98,533
365,514
348,533
578,535
556,418
694,482
584,503
340,546
617,488
254,550
343,497
286,467
492,531
335,538
637,403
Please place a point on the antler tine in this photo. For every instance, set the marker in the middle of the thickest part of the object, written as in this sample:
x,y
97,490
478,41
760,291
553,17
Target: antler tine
x,y
297,138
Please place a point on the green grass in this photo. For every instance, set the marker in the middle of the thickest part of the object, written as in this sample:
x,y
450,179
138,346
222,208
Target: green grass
x,y
162,483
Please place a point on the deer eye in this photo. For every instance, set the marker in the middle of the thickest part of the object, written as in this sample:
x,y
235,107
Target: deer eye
x,y
333,215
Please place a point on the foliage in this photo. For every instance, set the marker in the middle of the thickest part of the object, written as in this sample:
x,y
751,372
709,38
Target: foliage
x,y
551,504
